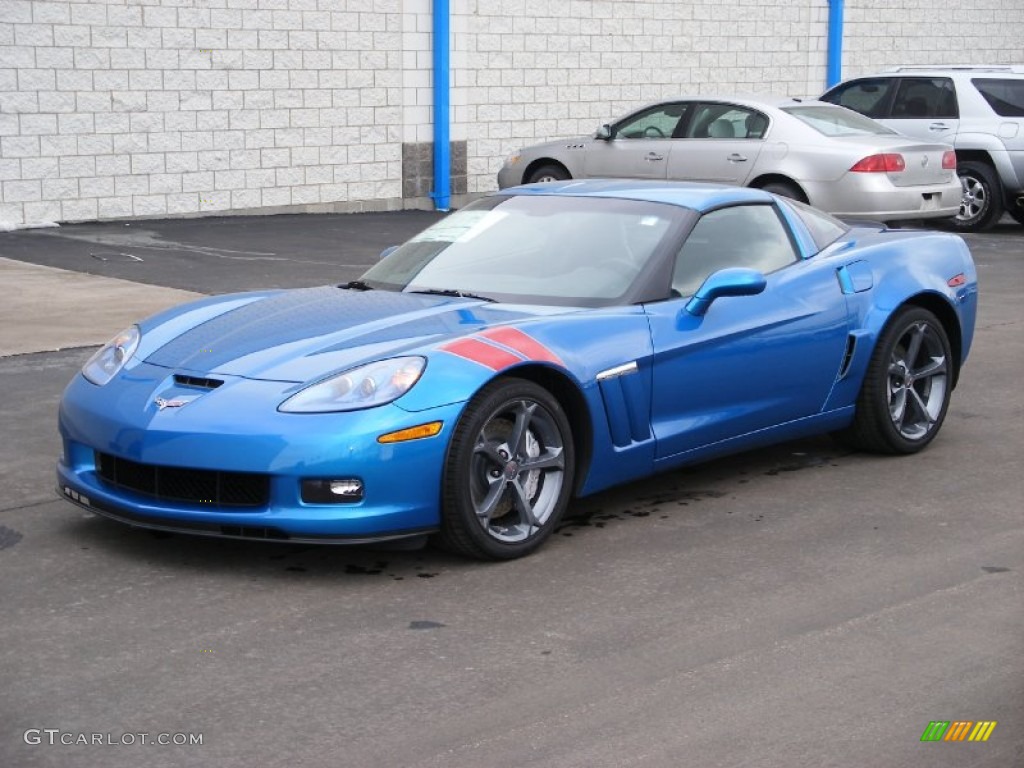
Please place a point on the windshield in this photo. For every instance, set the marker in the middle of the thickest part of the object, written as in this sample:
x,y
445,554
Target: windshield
x,y
584,251
837,121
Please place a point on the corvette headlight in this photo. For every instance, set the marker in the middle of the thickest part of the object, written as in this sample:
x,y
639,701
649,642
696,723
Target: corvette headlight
x,y
363,387
111,357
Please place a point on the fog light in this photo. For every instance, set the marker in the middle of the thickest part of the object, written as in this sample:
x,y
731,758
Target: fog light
x,y
344,490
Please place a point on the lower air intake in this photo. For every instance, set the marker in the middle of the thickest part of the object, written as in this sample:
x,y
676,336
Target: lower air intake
x,y
232,490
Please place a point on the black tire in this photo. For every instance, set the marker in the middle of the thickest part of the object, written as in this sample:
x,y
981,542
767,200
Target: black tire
x,y
1017,214
982,203
509,472
785,189
550,172
905,394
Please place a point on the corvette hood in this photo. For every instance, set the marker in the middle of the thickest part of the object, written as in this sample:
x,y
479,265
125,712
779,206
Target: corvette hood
x,y
299,335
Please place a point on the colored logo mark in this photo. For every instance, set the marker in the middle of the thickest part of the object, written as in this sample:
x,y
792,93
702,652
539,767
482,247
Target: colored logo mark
x,y
958,730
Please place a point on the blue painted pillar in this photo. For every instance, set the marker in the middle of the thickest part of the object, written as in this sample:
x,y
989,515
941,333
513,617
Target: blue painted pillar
x,y
442,107
835,43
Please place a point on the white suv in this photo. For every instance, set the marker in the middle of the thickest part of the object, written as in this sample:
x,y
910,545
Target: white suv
x,y
979,110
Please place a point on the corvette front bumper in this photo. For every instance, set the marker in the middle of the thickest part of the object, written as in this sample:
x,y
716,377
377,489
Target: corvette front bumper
x,y
238,431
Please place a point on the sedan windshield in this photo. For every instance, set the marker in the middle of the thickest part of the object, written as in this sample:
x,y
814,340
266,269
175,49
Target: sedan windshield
x,y
583,251
837,121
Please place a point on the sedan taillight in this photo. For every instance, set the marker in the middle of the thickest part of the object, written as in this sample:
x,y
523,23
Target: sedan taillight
x,y
949,160
888,162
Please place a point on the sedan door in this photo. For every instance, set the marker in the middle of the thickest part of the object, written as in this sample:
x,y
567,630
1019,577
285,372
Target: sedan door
x,y
638,147
750,362
721,143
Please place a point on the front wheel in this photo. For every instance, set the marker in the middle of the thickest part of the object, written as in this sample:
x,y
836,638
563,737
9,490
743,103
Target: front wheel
x,y
547,173
508,474
906,389
980,201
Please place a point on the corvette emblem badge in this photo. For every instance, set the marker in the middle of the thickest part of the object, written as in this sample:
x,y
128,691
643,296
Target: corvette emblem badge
x,y
161,403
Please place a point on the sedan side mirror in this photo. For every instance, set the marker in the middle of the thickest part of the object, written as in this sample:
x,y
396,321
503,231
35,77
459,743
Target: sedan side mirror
x,y
605,133
734,281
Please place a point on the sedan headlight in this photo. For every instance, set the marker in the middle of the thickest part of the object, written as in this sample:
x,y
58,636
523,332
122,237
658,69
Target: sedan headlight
x,y
111,357
514,158
363,387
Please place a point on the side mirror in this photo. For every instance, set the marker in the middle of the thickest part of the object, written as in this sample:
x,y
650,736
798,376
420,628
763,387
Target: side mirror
x,y
604,133
387,252
734,281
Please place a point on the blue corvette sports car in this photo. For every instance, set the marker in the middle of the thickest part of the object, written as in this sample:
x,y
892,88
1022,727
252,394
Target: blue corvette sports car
x,y
545,342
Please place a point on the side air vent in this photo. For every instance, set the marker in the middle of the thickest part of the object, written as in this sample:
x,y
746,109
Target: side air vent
x,y
851,346
198,382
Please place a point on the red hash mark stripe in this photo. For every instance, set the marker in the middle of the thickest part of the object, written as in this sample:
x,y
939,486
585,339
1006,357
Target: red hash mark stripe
x,y
482,353
520,342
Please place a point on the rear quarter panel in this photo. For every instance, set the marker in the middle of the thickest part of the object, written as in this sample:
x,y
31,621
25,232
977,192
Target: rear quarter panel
x,y
906,267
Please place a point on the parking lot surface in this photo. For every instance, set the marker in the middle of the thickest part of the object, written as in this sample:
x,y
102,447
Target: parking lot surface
x,y
796,606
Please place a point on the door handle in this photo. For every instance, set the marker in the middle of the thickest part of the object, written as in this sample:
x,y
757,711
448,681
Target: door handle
x,y
653,157
938,127
737,158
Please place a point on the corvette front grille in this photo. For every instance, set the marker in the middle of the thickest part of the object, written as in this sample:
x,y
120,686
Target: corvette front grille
x,y
196,486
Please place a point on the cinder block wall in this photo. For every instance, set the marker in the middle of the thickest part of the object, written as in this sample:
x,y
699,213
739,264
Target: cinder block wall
x,y
136,108
115,108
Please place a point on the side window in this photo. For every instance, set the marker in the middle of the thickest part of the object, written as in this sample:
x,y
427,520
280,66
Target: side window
x,y
656,123
824,229
869,97
1006,97
925,97
725,121
741,236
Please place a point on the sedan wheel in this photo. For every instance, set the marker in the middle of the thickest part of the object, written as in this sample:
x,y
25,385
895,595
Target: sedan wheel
x,y
548,173
906,390
509,472
785,189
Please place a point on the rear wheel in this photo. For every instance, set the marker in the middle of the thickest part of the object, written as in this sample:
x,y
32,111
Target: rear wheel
x,y
980,202
548,172
508,474
906,389
785,189
1017,214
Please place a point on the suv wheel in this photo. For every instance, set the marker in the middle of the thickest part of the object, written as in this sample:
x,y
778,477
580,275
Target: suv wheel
x,y
981,204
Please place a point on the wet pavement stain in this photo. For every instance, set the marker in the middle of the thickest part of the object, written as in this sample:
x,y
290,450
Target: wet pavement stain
x,y
365,570
995,569
801,462
9,537
425,624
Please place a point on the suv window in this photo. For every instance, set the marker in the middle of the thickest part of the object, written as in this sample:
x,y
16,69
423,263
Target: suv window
x,y
869,96
924,97
1006,97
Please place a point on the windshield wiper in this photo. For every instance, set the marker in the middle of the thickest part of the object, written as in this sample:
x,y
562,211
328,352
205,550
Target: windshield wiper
x,y
452,292
357,285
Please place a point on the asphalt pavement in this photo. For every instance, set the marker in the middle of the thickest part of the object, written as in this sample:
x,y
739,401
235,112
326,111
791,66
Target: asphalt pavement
x,y
795,606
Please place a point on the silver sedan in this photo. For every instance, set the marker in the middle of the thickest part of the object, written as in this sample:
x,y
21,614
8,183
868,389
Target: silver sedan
x,y
831,157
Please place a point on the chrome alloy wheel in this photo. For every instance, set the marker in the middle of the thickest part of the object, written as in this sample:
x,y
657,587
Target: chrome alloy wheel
x,y
918,378
518,470
973,199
